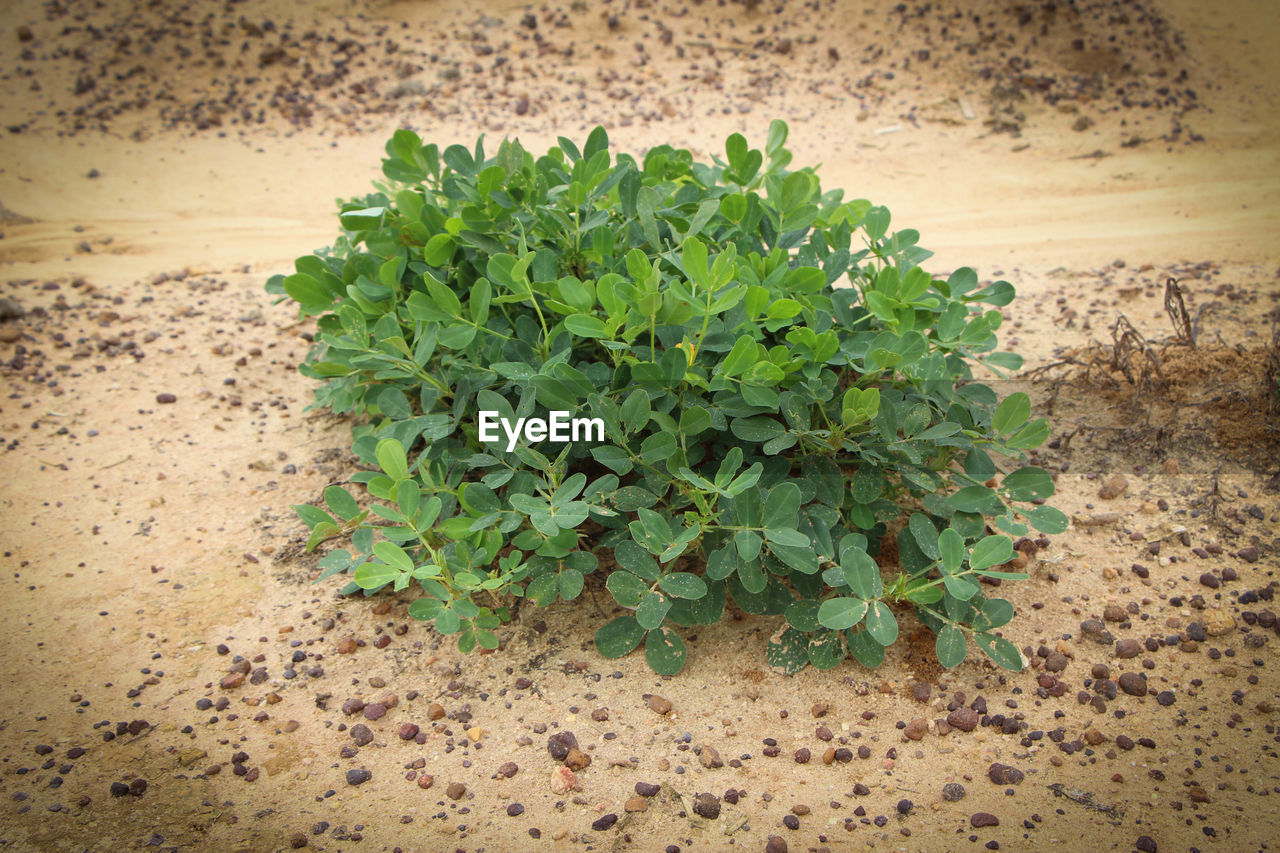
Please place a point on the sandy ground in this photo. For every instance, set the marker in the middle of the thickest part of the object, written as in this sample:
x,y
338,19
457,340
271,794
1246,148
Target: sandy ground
x,y
150,551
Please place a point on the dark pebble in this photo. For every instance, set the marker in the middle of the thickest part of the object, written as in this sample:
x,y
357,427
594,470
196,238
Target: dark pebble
x,y
775,844
1133,683
707,805
953,792
1126,649
119,789
166,397
1146,844
791,821
1003,774
905,806
361,734
647,789
515,810
603,822
358,777
560,743
982,819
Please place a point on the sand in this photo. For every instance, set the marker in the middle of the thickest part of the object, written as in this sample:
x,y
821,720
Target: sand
x,y
138,536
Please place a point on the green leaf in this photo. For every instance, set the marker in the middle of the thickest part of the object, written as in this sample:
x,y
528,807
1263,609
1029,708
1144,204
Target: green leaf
x,y
991,551
861,574
951,549
841,613
865,649
1012,413
748,543
376,575
664,651
787,538
340,501
788,651
1002,652
571,583
652,610
683,585
1028,484
926,535
950,646
1031,435
392,459
627,589
393,555
1047,520
635,559
619,637
585,326
881,624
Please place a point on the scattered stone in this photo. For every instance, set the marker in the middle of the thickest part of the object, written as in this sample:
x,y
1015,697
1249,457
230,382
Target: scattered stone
x,y
964,719
576,759
563,780
1056,662
1146,844
603,822
408,731
657,704
710,758
953,792
455,791
1133,683
166,397
515,810
980,820
560,743
1113,487
775,844
916,729
647,789
358,777
508,769
1003,774
1126,649
635,804
707,805
1218,622
361,734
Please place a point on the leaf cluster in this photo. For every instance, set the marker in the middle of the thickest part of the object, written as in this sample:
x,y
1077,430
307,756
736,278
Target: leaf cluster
x,y
783,389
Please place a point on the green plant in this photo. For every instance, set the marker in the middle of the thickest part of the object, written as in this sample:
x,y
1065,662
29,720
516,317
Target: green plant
x,y
781,386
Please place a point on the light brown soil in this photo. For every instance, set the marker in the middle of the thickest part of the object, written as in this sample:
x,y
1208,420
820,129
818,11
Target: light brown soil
x,y
138,536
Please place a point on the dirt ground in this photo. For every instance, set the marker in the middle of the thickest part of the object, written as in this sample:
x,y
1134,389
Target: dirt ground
x,y
161,631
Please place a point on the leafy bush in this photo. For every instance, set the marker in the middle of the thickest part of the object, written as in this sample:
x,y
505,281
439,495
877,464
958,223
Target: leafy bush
x,y
766,426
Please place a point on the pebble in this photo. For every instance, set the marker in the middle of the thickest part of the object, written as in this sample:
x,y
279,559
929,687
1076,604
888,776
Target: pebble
x,y
647,789
515,810
710,758
1113,487
1003,774
358,777
983,819
707,805
905,806
1146,844
1218,622
455,791
657,704
361,734
603,822
560,743
802,755
775,844
1133,683
576,759
953,792
916,729
964,719
375,711
166,397
408,731
563,780
635,804
1126,649
508,769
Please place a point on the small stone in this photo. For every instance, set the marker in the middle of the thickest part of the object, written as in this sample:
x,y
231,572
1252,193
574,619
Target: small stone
x,y
563,780
916,729
560,743
647,789
905,806
508,769
710,758
375,711
1128,648
1003,774
119,789
455,791
1056,662
1093,737
657,704
707,805
361,734
964,719
166,397
352,706
408,731
775,844
1115,613
1113,487
515,810
435,711
953,792
576,759
1133,683
1146,844
426,780
802,755
635,804
358,777
603,822
1218,622
983,819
